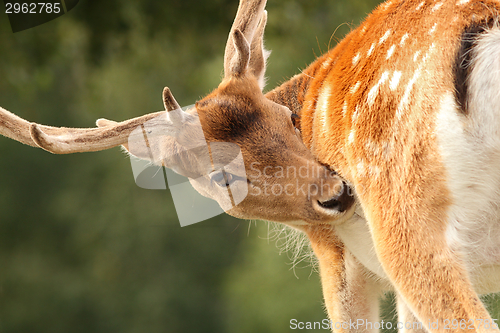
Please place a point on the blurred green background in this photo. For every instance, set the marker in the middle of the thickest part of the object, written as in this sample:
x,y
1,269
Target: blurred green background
x,y
82,248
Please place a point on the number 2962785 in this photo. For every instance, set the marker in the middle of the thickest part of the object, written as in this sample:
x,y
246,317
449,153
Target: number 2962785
x,y
33,8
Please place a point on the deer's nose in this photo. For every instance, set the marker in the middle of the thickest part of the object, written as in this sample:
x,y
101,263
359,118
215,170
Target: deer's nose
x,y
340,202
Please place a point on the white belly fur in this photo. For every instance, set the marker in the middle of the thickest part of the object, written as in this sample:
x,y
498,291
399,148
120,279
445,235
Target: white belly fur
x,y
470,148
355,234
472,161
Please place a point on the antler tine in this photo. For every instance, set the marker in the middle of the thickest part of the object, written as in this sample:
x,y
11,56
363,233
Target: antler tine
x,y
242,57
259,55
61,140
169,101
247,18
171,104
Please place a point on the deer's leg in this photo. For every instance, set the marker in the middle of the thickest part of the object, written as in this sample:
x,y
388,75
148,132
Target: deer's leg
x,y
407,321
432,279
351,294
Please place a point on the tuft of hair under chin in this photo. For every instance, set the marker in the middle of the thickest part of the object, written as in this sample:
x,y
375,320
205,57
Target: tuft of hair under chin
x,y
295,244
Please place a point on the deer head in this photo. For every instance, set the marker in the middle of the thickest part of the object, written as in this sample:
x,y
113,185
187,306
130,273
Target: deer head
x,y
277,178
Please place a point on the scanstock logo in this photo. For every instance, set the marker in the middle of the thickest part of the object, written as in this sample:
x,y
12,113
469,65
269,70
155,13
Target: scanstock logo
x,y
28,14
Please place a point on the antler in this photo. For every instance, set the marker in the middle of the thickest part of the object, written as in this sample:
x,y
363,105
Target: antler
x,y
244,51
242,48
71,140
15,128
109,134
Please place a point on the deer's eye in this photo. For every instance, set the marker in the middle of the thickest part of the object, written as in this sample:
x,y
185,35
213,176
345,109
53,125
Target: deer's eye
x,y
222,178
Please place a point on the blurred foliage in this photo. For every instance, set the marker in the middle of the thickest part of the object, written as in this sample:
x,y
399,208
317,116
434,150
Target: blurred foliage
x,y
82,248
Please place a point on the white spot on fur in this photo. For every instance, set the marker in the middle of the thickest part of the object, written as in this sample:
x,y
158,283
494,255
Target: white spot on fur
x,y
360,167
437,6
386,5
426,56
403,39
462,2
352,136
323,107
433,29
420,5
327,63
396,77
406,96
390,52
384,37
356,58
370,51
355,87
357,238
372,94
344,109
355,114
415,56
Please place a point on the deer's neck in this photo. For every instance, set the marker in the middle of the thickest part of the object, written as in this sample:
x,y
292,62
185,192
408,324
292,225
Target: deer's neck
x,y
309,95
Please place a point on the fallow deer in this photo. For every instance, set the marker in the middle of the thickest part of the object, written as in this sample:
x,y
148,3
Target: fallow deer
x,y
405,111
